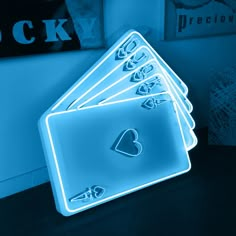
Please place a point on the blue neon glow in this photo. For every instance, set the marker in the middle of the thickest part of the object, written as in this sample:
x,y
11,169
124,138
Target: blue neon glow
x,y
98,69
50,140
123,126
182,102
128,143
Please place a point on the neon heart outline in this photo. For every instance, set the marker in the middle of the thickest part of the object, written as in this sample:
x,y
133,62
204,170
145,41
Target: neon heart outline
x,y
96,190
137,144
149,103
121,53
143,89
137,76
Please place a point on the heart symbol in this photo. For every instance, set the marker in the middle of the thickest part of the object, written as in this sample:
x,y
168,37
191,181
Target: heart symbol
x,y
121,53
137,76
130,65
149,103
142,89
128,143
98,191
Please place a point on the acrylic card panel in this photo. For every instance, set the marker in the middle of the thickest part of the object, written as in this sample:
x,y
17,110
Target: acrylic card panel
x,y
142,144
139,71
105,66
153,77
134,63
114,83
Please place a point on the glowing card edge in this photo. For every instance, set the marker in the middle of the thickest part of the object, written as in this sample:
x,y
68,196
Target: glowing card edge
x,y
62,191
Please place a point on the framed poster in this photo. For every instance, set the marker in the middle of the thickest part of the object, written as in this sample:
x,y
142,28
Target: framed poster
x,y
43,26
199,18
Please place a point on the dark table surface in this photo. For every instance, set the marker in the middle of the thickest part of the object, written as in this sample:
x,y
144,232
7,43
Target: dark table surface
x,y
201,202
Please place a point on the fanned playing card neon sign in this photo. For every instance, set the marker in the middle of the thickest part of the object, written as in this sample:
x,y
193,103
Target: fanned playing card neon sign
x,y
125,125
